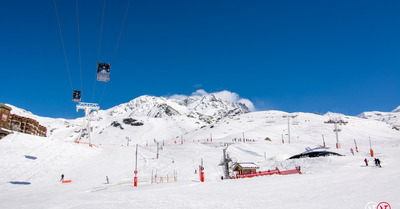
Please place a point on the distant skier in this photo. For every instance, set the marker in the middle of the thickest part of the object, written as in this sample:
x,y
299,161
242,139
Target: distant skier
x,y
107,180
378,162
352,151
366,162
62,177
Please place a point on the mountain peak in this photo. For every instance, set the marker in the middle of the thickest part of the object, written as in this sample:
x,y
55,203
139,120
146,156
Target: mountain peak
x,y
397,109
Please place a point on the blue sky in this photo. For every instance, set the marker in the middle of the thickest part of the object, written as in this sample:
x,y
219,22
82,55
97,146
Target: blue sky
x,y
309,56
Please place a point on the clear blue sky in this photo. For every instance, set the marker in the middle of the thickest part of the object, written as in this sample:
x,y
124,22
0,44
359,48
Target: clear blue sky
x,y
310,56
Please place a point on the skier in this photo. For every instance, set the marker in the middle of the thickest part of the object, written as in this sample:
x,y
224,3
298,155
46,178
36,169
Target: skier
x,y
378,162
62,177
107,180
366,162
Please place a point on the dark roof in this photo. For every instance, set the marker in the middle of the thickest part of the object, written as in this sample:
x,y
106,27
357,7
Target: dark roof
x,y
4,106
315,154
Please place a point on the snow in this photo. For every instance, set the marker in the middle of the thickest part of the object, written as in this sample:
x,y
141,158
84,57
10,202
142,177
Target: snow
x,y
327,182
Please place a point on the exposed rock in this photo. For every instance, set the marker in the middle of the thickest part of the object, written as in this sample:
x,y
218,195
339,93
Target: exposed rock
x,y
132,122
116,124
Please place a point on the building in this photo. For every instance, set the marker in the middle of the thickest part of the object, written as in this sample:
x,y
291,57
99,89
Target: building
x,y
12,122
245,168
26,125
4,117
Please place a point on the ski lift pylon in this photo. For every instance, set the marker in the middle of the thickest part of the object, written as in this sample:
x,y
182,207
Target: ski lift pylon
x,y
76,95
103,71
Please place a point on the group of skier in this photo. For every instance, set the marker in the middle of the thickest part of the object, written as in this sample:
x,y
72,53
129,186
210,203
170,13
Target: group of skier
x,y
376,160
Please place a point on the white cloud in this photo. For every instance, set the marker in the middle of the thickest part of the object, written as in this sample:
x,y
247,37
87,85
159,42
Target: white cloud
x,y
224,95
178,97
227,96
248,104
200,93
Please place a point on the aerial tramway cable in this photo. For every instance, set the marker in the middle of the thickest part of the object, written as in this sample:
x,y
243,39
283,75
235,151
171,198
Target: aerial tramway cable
x,y
105,67
79,45
62,43
98,49
116,47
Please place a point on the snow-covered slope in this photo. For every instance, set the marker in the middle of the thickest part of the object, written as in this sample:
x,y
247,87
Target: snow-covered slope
x,y
30,166
392,118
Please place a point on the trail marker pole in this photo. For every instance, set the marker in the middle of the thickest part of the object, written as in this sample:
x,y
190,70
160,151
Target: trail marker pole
x,y
370,146
355,143
201,171
135,179
323,140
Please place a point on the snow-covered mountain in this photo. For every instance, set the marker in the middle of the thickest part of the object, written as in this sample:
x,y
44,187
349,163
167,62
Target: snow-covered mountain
x,y
391,118
31,166
208,108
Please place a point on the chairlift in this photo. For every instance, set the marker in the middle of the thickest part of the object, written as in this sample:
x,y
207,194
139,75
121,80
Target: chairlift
x,y
103,71
76,96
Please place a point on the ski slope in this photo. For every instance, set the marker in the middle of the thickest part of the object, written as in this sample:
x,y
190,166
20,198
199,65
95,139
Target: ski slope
x,y
30,166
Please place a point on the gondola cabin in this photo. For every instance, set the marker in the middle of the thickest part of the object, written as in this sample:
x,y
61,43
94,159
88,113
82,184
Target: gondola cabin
x,y
76,96
103,71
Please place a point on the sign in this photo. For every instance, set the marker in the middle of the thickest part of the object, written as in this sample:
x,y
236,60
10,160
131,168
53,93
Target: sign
x,y
4,117
384,205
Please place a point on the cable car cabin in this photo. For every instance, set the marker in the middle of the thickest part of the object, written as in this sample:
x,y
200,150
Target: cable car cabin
x,y
103,71
76,96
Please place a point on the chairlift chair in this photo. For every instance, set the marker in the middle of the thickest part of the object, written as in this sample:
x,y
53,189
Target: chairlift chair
x,y
76,96
103,71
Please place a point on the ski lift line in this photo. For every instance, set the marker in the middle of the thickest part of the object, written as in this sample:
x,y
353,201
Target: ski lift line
x,y
102,93
62,43
101,29
120,32
98,49
79,43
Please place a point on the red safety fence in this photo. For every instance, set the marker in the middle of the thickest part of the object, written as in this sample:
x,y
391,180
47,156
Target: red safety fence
x,y
66,181
90,145
269,172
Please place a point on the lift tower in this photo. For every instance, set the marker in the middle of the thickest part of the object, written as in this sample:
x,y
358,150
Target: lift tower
x,y
85,128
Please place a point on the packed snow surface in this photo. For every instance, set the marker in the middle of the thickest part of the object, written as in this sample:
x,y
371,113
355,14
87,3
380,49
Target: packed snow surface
x,y
31,166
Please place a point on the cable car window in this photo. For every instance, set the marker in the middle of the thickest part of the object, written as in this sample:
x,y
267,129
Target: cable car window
x,y
103,72
76,96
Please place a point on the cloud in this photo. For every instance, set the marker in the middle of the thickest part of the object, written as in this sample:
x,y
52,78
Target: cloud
x,y
224,95
199,93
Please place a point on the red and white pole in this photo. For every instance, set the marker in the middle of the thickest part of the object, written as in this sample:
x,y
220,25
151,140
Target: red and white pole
x,y
201,171
355,143
370,146
323,140
135,179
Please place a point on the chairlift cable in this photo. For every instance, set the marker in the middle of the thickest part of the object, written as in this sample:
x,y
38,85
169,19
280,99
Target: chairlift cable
x,y
98,49
62,43
79,44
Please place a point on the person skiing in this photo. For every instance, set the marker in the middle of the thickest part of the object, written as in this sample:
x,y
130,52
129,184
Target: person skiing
x,y
62,177
366,162
107,180
378,162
